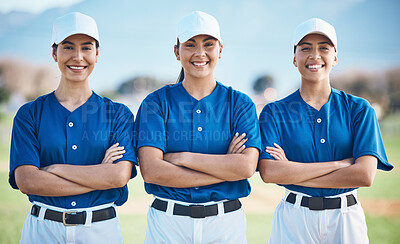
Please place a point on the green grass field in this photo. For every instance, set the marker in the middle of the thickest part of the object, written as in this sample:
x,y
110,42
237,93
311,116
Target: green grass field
x,y
382,229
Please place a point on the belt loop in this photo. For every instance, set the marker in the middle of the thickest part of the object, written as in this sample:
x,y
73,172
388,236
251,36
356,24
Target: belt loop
x,y
170,208
88,221
343,204
298,201
42,212
221,209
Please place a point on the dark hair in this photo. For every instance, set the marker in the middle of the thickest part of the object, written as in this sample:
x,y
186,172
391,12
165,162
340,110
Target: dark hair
x,y
181,76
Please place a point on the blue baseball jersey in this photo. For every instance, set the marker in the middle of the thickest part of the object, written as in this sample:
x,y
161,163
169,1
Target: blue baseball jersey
x,y
172,120
44,133
345,127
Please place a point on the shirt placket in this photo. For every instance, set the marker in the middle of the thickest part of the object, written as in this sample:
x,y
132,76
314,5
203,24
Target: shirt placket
x,y
73,149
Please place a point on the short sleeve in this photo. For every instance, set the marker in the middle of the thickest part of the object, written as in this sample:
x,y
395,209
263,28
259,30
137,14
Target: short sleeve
x,y
269,131
246,122
24,148
367,136
150,124
123,134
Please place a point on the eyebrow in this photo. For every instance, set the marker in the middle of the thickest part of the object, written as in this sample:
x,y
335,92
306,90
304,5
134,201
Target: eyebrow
x,y
85,43
307,43
205,39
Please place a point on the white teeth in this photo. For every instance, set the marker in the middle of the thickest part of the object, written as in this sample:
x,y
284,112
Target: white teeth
x,y
315,66
199,64
76,67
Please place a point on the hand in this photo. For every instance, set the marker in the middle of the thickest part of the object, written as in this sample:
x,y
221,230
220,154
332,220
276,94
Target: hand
x,y
113,153
277,152
237,144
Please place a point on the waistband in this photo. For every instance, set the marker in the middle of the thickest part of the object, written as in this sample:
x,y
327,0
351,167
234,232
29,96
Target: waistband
x,y
341,201
72,217
196,210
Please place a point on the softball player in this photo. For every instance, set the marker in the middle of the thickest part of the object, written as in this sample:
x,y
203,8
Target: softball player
x,y
321,144
58,148
198,143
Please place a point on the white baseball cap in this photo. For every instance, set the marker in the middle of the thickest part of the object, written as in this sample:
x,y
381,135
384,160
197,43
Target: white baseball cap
x,y
198,23
315,26
74,23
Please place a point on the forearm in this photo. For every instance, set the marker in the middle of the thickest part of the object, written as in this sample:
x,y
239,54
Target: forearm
x,y
160,172
31,180
360,174
229,167
289,172
99,177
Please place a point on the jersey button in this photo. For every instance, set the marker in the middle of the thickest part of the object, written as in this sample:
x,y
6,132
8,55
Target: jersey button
x,y
73,203
74,147
322,140
319,120
199,128
198,111
70,124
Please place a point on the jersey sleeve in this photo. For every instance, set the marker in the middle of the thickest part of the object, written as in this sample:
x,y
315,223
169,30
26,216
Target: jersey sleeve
x,y
269,131
367,136
245,120
150,124
24,148
123,134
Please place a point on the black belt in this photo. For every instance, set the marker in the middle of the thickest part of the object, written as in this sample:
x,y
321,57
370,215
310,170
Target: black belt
x,y
320,203
70,218
197,211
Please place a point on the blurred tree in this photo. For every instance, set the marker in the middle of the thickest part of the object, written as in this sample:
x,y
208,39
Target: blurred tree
x,y
393,80
139,84
261,83
26,79
4,92
366,84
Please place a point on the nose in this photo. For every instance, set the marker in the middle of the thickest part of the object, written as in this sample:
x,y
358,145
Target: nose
x,y
78,55
315,54
200,51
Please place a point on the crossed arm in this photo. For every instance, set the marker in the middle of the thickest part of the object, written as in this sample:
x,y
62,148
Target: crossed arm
x,y
186,169
66,180
334,174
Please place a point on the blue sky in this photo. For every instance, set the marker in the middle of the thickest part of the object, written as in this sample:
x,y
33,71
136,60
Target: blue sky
x,y
36,6
257,36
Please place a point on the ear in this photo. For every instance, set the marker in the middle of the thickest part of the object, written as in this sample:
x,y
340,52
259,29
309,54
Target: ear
x,y
54,54
220,51
294,61
176,51
335,60
97,54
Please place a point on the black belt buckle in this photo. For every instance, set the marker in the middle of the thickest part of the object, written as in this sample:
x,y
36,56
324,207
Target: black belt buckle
x,y
316,203
197,211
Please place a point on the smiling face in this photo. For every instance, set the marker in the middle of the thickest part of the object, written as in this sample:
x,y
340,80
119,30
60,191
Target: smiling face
x,y
76,56
314,57
199,56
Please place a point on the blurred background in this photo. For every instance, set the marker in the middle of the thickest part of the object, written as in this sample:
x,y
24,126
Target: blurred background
x,y
136,57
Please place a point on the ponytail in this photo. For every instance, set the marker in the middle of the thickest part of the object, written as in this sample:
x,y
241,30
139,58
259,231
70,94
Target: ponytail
x,y
181,76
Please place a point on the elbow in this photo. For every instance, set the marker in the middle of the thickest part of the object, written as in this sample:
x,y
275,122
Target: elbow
x,y
247,171
122,175
266,173
367,180
147,176
25,186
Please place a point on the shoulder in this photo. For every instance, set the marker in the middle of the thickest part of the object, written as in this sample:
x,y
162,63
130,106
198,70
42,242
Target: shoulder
x,y
34,107
238,97
290,100
119,109
354,103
